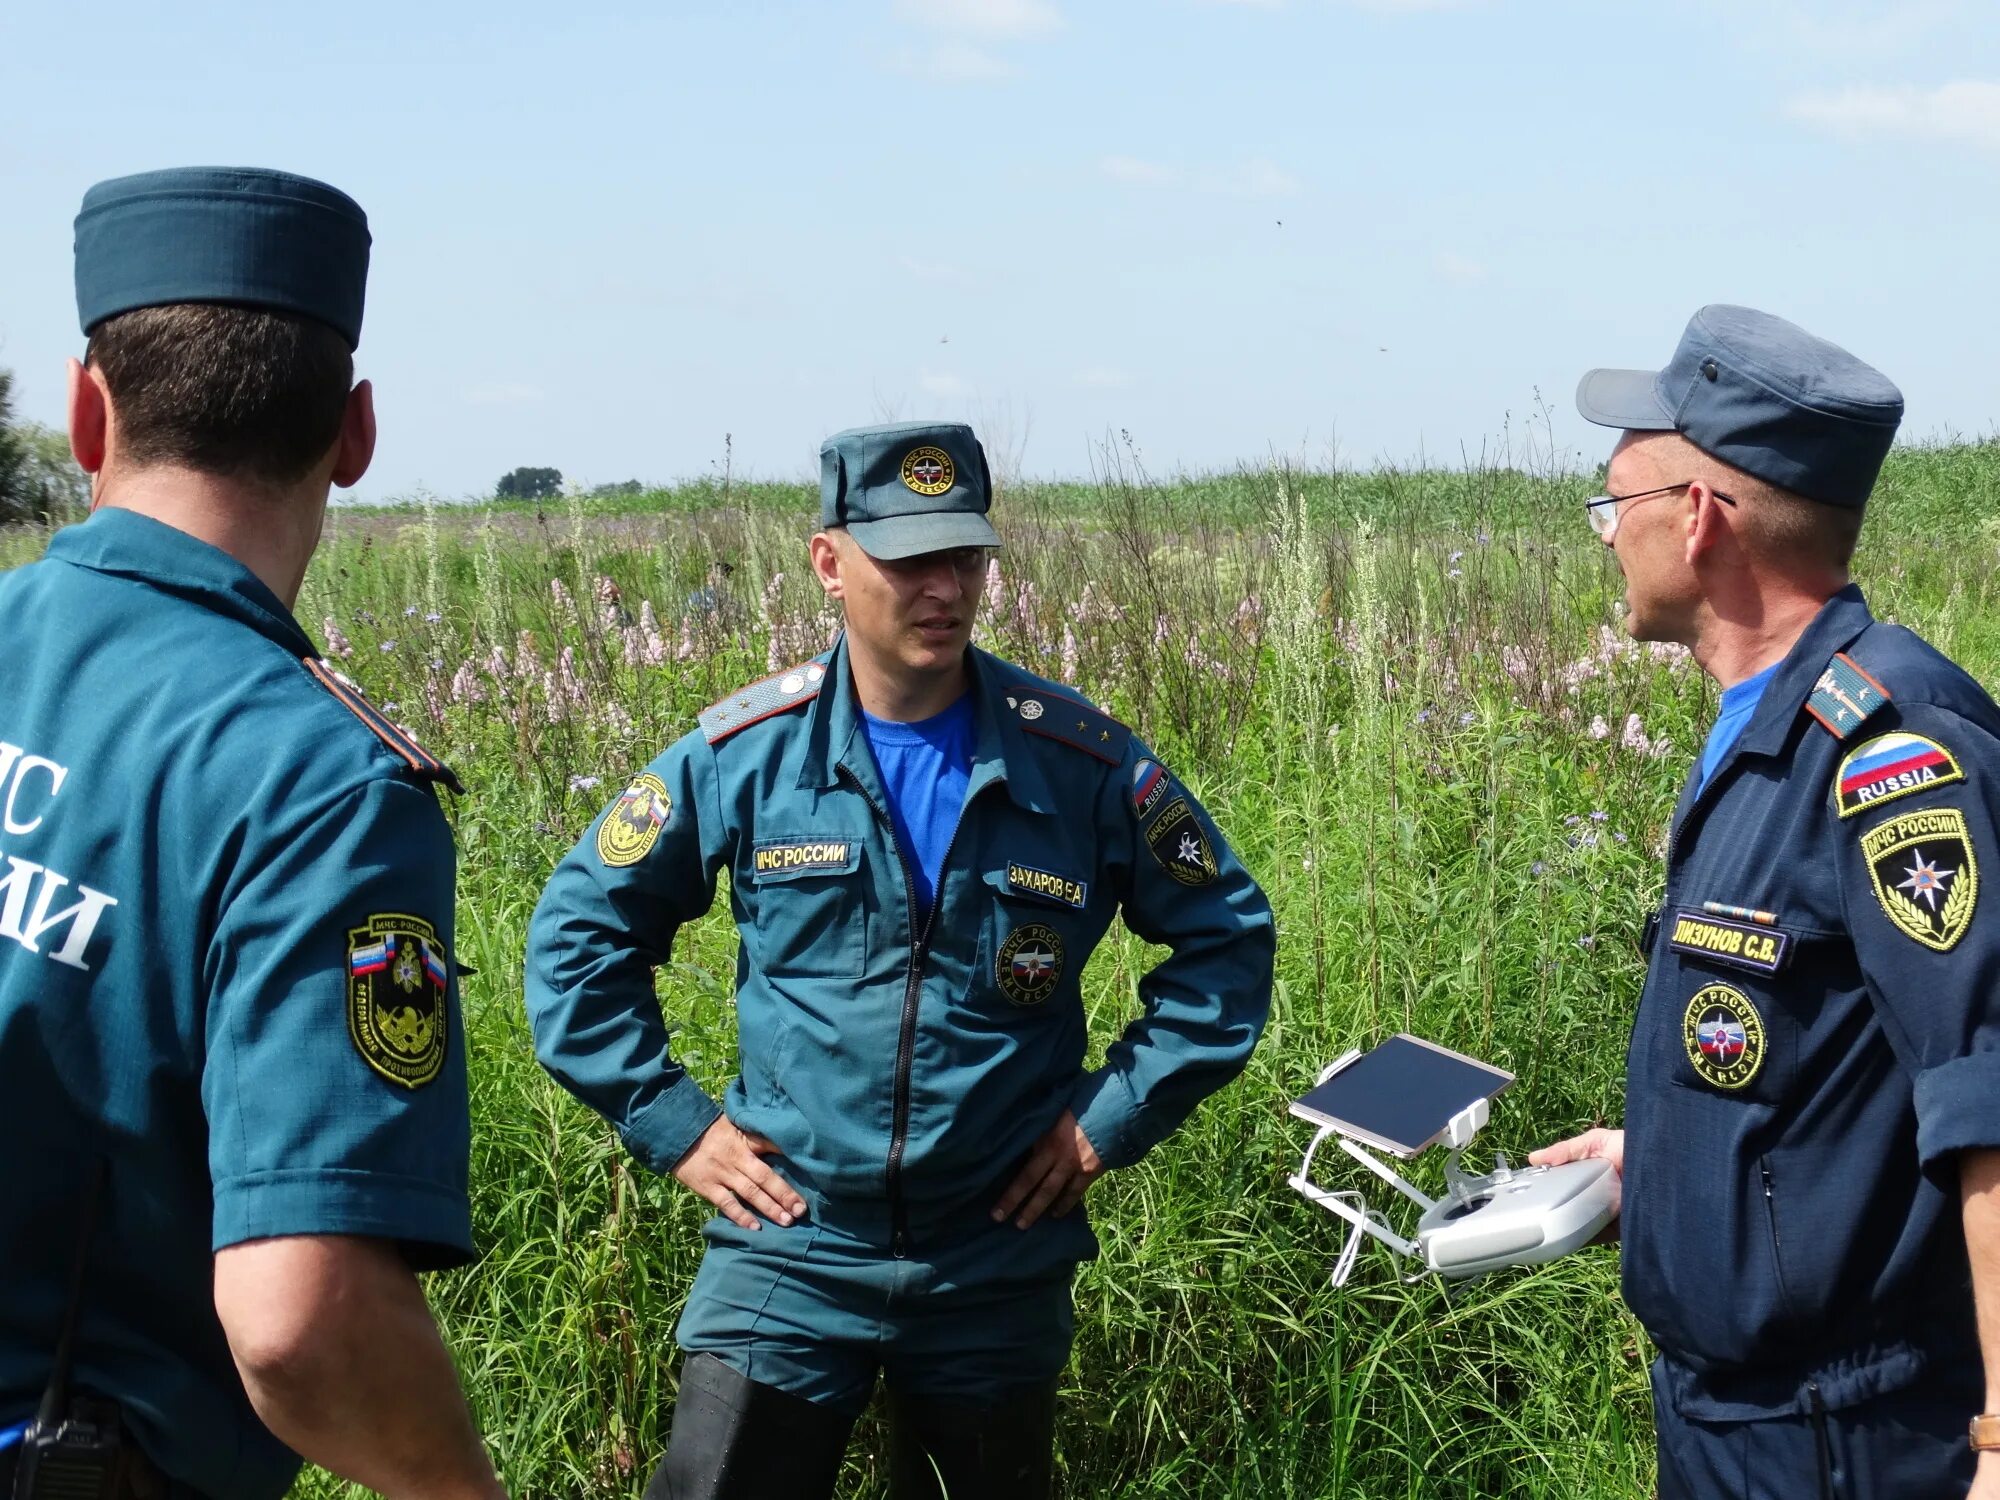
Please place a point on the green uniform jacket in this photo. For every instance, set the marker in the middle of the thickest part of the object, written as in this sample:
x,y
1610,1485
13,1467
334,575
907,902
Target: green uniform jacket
x,y
903,1072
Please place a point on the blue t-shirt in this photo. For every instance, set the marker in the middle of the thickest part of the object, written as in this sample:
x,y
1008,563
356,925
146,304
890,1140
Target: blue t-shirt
x,y
1738,704
925,768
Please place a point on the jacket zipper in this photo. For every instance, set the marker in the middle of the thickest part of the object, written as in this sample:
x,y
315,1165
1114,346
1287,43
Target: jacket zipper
x,y
1777,1253
906,1039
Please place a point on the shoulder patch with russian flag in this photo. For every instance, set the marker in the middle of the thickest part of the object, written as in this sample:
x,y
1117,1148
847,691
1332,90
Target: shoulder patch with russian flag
x,y
1891,766
1149,784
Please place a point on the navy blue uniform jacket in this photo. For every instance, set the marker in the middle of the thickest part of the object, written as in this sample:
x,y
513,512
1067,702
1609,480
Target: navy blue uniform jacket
x,y
1819,1035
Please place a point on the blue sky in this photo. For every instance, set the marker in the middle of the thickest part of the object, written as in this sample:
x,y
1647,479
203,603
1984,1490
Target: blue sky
x,y
608,235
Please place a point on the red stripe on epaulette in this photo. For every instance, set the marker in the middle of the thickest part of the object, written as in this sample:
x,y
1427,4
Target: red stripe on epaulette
x,y
415,756
1035,727
770,713
715,732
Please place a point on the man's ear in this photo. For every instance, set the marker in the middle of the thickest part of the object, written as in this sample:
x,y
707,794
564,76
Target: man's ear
x,y
89,416
1706,525
826,565
356,448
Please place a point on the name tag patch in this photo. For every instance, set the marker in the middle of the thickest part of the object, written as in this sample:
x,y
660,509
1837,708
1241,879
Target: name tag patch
x,y
787,859
1746,945
1026,880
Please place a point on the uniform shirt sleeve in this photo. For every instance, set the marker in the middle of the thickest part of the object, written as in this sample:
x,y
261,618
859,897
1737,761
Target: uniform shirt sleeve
x,y
307,1134
1205,1005
606,920
1927,933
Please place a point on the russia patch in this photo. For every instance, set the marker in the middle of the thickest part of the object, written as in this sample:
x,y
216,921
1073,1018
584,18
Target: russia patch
x,y
1891,766
1149,785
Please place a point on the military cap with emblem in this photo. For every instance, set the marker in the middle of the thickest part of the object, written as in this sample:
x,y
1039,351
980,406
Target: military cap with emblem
x,y
907,489
1764,396
244,236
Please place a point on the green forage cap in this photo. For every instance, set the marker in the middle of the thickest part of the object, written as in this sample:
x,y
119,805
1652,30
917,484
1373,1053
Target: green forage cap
x,y
907,489
245,236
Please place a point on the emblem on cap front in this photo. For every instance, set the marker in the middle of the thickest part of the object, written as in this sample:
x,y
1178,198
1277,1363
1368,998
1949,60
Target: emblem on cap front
x,y
1029,964
397,981
928,470
1724,1036
634,821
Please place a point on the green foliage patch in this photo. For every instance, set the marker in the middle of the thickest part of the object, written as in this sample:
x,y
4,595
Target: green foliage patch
x,y
1405,698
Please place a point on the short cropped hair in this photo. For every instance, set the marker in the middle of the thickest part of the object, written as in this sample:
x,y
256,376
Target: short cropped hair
x,y
1781,527
236,392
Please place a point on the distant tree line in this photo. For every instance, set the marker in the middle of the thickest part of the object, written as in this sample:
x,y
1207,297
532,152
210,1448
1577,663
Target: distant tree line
x,y
38,477
529,484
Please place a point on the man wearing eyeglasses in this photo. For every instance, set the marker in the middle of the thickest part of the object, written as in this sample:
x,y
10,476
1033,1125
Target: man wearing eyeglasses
x,y
1811,1153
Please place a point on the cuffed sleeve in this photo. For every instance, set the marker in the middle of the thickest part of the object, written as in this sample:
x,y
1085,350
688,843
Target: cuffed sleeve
x,y
335,1080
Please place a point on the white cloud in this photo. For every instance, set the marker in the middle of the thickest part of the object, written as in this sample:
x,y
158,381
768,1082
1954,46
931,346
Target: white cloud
x,y
940,272
1101,378
942,383
950,62
1255,178
1460,270
1872,29
503,393
1003,19
1130,169
1962,113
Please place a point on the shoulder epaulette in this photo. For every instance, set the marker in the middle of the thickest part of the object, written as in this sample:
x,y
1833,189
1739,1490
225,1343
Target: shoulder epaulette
x,y
400,741
1845,697
757,702
1057,717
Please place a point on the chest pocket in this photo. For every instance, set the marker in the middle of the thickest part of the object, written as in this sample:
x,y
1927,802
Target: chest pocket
x,y
1729,1021
811,900
1033,943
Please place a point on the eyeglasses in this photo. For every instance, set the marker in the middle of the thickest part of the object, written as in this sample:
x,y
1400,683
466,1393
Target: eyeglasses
x,y
1605,522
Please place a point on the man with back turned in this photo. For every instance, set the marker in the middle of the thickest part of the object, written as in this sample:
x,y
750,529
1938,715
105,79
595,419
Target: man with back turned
x,y
230,1046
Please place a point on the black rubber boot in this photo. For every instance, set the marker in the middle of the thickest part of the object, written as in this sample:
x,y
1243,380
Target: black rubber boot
x,y
734,1439
964,1450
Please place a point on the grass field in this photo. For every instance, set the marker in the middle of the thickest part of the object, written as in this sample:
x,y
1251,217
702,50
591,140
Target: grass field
x,y
1405,699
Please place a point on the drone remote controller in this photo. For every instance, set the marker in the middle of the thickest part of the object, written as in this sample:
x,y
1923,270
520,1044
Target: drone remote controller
x,y
1408,1094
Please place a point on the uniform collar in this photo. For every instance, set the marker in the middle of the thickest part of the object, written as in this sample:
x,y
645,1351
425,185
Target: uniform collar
x,y
1839,622
124,544
1000,747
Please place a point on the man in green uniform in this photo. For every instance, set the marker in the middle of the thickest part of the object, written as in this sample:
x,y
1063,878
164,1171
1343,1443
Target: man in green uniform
x,y
924,844
229,1031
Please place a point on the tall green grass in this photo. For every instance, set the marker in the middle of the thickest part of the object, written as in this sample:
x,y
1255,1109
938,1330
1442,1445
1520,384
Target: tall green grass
x,y
1404,698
